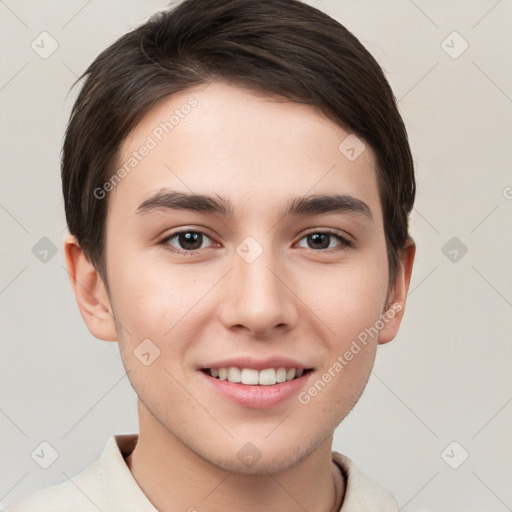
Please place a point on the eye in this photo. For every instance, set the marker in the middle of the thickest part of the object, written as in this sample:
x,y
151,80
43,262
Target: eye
x,y
188,241
322,240
185,241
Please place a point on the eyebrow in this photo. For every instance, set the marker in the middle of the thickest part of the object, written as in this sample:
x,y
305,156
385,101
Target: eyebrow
x,y
306,205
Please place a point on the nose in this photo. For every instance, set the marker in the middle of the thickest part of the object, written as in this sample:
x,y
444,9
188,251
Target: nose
x,y
257,298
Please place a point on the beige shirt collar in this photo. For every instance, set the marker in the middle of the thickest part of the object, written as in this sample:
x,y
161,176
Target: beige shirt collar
x,y
123,493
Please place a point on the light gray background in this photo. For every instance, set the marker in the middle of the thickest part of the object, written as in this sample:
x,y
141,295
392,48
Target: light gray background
x,y
446,377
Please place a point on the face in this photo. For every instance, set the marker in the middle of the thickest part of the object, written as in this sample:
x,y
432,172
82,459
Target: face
x,y
261,280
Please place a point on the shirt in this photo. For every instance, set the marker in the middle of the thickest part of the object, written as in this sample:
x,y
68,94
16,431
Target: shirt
x,y
108,485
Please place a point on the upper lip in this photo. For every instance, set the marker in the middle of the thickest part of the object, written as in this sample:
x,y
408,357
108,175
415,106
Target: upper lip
x,y
257,364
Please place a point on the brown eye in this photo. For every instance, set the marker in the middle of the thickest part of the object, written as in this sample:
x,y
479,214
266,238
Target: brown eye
x,y
185,241
319,240
325,240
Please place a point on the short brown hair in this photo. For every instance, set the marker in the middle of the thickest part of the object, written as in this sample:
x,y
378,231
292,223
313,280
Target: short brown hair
x,y
275,47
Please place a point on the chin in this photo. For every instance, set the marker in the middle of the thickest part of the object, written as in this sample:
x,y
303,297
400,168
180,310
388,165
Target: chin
x,y
250,460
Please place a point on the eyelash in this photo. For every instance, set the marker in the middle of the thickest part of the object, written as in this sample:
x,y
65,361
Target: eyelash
x,y
344,243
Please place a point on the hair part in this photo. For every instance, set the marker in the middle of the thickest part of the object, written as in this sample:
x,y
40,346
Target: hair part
x,y
281,48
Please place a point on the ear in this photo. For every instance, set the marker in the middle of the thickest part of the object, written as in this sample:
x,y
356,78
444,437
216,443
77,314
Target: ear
x,y
392,316
90,292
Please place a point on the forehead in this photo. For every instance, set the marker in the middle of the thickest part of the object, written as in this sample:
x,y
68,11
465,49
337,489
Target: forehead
x,y
254,150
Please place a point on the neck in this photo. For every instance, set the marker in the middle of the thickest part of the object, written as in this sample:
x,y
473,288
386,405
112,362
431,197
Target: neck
x,y
175,478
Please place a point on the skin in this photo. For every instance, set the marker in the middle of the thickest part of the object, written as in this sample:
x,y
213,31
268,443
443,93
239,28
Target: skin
x,y
291,301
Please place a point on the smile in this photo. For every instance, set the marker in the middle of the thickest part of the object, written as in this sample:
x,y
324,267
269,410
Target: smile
x,y
253,377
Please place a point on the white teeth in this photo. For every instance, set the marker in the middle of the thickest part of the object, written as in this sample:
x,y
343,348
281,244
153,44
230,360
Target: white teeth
x,y
249,376
234,374
267,377
281,374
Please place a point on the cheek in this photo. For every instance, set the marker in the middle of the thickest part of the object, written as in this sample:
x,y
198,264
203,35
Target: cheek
x,y
144,303
348,297
155,300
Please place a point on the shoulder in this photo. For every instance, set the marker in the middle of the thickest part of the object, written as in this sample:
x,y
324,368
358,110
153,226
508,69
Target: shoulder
x,y
107,484
361,492
81,493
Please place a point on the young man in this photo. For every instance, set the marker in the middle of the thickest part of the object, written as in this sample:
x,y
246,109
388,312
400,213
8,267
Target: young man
x,y
237,184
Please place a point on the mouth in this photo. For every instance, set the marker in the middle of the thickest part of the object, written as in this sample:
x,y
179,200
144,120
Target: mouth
x,y
253,377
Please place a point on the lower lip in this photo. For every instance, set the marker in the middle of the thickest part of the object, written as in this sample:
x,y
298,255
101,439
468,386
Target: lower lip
x,y
257,396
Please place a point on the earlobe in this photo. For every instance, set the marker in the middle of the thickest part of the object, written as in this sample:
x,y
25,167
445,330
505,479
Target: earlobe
x,y
392,316
90,293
